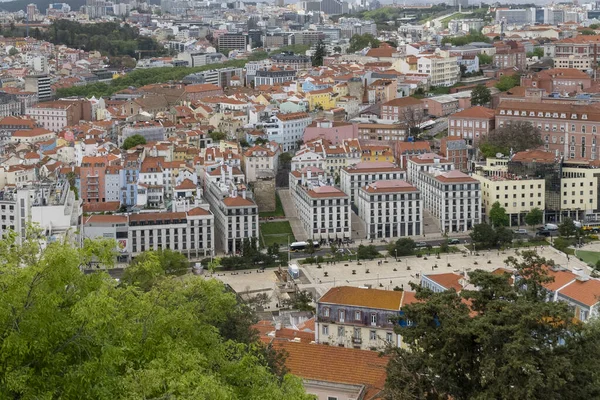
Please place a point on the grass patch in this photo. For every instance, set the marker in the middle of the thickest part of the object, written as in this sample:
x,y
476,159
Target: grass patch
x,y
589,257
276,232
278,209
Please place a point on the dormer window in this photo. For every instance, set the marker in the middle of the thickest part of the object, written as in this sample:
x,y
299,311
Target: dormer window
x,y
532,114
502,112
540,114
509,112
548,115
555,115
563,115
584,116
573,116
523,113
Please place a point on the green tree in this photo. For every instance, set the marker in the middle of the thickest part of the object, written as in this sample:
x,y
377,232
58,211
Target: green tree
x,y
567,227
359,42
368,252
133,141
484,59
285,159
504,236
317,58
498,216
166,342
310,247
483,235
217,136
534,217
13,51
518,136
337,49
508,82
402,247
480,95
511,343
587,32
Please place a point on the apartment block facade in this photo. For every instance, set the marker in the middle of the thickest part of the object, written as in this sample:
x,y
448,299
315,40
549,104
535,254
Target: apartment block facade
x,y
390,208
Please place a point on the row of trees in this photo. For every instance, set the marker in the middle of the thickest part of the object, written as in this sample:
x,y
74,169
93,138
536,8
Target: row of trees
x,y
70,335
518,136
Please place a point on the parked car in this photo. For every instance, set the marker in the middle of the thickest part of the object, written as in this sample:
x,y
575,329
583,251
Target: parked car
x,y
454,241
543,232
520,231
420,244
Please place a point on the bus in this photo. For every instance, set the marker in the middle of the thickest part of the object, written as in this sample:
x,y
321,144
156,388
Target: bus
x,y
301,246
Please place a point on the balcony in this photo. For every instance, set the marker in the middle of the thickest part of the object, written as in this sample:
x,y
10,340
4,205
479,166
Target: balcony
x,y
356,340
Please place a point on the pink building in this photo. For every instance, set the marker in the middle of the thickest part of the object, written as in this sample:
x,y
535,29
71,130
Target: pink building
x,y
333,131
471,124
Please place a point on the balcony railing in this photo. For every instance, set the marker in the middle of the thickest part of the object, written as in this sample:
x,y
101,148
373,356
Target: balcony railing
x,y
356,340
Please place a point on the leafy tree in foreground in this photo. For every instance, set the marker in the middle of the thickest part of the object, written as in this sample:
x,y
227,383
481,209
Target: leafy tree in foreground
x,y
68,335
132,141
512,344
402,247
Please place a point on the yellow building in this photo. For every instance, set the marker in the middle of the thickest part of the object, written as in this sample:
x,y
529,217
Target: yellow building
x,y
324,98
579,190
377,154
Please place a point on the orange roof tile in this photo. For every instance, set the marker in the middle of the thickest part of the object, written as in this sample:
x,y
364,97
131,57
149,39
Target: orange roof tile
x,y
584,292
371,298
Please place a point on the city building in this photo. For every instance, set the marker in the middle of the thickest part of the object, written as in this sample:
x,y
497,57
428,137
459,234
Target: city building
x,y
453,198
287,129
402,109
39,84
56,115
235,212
323,210
50,206
233,41
568,130
359,175
455,150
471,124
273,76
92,179
390,209
558,80
361,318
190,233
261,162
290,60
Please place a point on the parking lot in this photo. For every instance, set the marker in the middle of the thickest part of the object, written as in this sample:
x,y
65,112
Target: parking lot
x,y
384,273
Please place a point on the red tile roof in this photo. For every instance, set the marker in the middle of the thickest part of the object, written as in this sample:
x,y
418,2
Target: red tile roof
x,y
336,364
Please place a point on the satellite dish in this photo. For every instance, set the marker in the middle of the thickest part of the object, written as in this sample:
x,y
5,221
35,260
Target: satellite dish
x,y
499,155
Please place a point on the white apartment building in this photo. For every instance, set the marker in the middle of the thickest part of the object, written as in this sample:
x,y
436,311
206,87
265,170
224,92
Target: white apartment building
x,y
425,163
390,208
359,175
443,70
236,213
452,197
307,158
323,210
51,206
261,162
53,115
190,233
287,129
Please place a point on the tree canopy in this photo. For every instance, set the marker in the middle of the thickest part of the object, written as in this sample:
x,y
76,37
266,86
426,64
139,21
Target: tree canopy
x,y
480,95
464,40
486,236
534,217
484,59
518,136
498,216
508,82
70,335
359,42
317,58
132,141
509,344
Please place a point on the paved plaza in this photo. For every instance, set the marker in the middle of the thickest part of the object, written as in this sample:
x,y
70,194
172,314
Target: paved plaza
x,y
384,273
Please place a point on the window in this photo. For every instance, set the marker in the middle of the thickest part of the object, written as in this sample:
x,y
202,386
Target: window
x,y
326,312
373,319
331,398
325,329
357,316
388,337
342,315
373,335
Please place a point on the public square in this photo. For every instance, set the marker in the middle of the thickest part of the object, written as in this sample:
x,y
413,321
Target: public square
x,y
383,273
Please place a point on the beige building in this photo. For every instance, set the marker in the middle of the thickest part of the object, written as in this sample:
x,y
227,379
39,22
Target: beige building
x,y
361,318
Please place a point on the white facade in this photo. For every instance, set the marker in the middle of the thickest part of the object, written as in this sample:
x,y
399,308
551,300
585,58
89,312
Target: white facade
x,y
261,162
323,210
51,118
391,208
444,71
357,176
425,163
190,233
453,198
287,129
